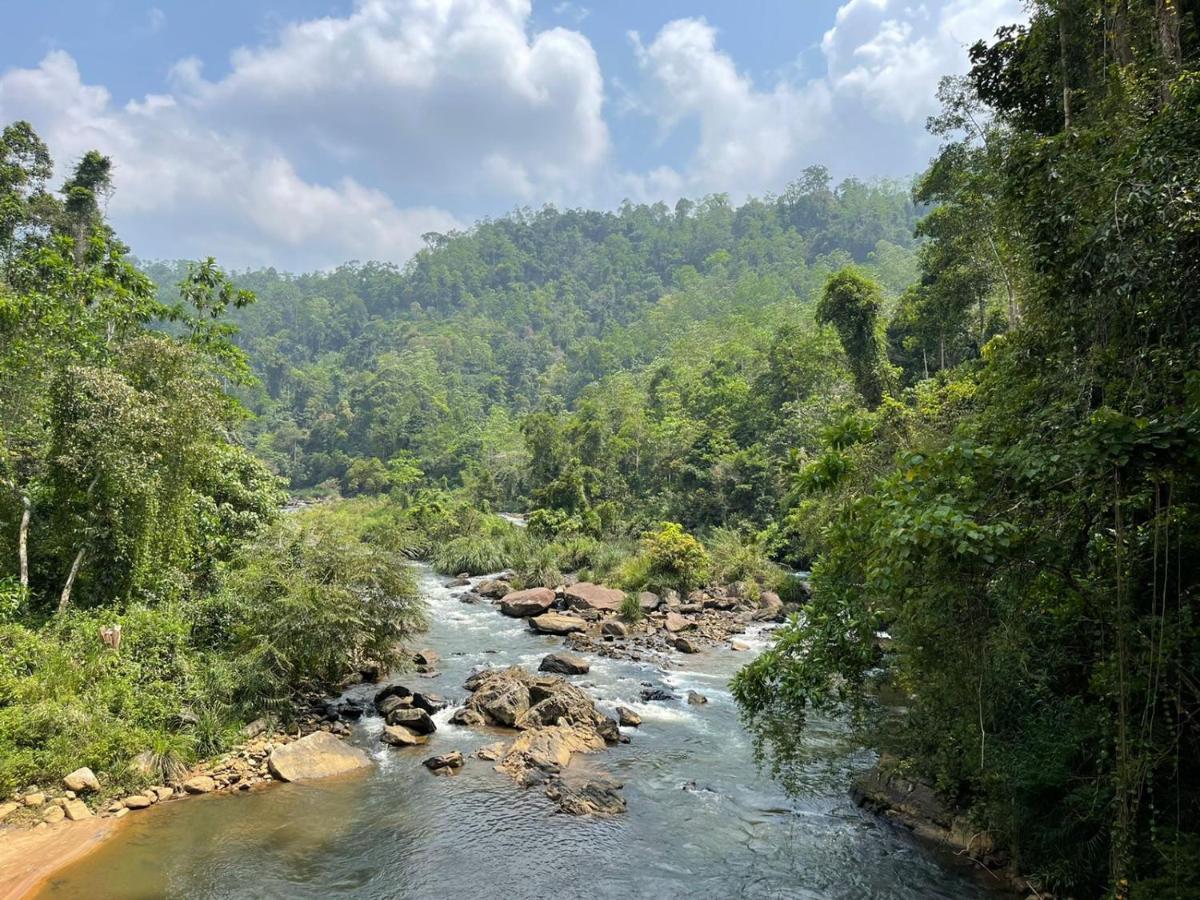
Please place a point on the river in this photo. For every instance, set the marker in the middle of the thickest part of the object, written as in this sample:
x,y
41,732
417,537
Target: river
x,y
703,820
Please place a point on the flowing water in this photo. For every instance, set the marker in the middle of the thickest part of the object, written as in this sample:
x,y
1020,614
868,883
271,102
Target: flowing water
x,y
703,820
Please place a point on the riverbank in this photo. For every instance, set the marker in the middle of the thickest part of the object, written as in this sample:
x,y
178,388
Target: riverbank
x,y
30,857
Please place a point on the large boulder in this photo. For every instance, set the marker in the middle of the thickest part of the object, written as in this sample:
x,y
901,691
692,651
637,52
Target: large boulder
x,y
770,607
564,664
429,701
493,588
501,697
470,718
205,784
391,690
674,622
413,719
82,781
685,645
399,736
649,601
317,755
627,718
393,702
586,595
557,623
533,602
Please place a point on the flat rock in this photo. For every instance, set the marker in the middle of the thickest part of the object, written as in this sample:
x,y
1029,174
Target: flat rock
x,y
586,595
76,810
532,602
564,664
557,623
141,801
317,755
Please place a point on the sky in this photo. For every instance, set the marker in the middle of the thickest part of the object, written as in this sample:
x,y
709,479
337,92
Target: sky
x,y
301,134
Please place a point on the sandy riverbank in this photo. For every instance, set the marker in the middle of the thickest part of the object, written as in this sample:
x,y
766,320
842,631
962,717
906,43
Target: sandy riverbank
x,y
29,857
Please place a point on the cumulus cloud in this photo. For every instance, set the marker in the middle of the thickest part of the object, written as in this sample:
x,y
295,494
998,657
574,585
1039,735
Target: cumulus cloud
x,y
863,114
425,101
349,136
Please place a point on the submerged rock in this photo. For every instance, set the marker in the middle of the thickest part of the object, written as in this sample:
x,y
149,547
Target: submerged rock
x,y
589,798
452,760
317,755
657,694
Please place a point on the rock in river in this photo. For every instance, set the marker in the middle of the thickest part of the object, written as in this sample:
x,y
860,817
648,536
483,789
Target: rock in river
x,y
557,623
586,595
532,602
451,760
315,756
413,719
564,664
695,698
627,718
399,736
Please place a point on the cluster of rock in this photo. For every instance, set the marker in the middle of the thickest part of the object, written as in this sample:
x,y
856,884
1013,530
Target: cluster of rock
x,y
587,615
555,720
48,808
407,714
264,758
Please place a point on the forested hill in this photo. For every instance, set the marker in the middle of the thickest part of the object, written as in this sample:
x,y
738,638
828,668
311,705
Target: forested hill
x,y
370,370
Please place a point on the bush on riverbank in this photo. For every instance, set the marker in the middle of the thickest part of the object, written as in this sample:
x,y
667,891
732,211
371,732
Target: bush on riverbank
x,y
307,604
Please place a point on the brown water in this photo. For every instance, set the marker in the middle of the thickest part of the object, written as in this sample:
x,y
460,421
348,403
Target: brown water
x,y
703,820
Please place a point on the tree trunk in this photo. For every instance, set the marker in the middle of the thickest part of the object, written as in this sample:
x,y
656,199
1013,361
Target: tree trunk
x,y
1120,33
1166,16
65,600
1063,44
23,543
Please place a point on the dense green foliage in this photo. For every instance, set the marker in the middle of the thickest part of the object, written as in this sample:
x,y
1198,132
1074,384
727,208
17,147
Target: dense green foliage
x,y
374,378
126,504
1024,525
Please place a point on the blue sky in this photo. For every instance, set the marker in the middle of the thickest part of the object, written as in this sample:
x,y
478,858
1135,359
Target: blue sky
x,y
304,133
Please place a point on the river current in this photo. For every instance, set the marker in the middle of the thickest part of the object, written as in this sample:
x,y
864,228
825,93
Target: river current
x,y
703,820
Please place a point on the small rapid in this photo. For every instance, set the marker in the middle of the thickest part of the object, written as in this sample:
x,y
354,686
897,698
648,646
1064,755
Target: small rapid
x,y
703,820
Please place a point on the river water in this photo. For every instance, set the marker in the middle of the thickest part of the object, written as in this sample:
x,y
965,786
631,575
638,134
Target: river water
x,y
703,821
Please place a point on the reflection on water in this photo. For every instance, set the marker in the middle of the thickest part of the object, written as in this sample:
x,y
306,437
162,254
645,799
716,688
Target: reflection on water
x,y
703,820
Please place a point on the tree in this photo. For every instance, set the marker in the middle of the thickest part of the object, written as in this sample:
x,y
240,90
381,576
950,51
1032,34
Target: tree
x,y
851,303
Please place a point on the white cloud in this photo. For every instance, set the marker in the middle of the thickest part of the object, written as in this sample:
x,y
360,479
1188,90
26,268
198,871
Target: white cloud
x,y
349,136
423,100
864,114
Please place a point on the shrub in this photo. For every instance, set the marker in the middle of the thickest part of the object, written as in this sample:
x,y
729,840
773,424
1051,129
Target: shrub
x,y
737,556
631,609
676,559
